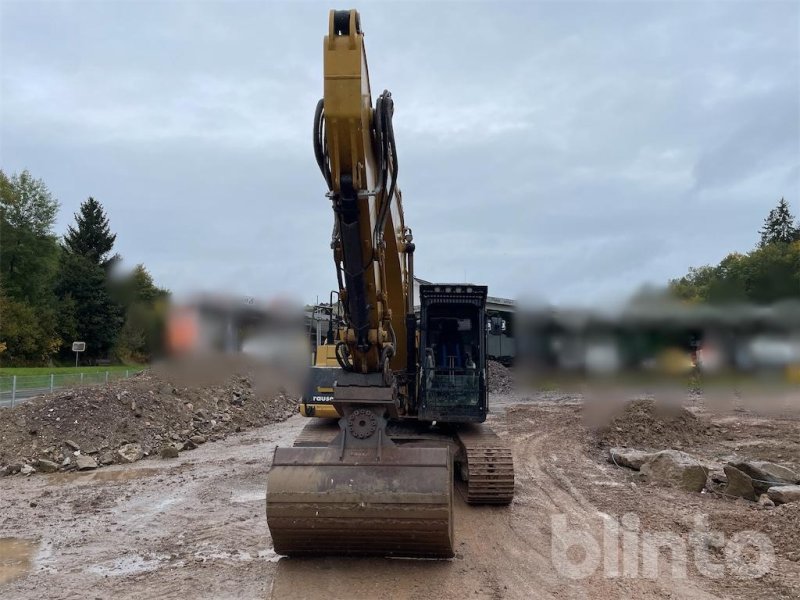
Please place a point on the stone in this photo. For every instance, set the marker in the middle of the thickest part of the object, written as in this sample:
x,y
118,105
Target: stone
x,y
739,484
783,494
85,463
766,501
673,468
628,457
130,453
107,458
189,445
762,480
27,470
777,471
72,445
198,439
169,451
46,466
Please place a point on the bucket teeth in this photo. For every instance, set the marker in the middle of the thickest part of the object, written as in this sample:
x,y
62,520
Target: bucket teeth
x,y
401,505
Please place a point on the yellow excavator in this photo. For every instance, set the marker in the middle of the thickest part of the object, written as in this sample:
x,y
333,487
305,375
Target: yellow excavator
x,y
402,397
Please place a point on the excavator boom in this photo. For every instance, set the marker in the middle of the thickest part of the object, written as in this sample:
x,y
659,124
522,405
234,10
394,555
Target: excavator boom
x,y
362,493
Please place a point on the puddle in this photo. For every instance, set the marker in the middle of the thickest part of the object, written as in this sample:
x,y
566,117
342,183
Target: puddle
x,y
15,558
103,475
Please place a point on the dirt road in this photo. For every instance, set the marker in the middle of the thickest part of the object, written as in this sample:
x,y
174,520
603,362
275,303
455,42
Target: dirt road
x,y
195,527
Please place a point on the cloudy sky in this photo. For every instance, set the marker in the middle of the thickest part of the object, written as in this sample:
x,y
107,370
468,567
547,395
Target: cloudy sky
x,y
573,150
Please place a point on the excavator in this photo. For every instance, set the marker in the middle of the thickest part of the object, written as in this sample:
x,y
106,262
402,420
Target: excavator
x,y
400,398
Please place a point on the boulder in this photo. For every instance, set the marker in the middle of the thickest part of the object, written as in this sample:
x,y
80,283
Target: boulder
x,y
777,471
198,439
762,480
85,463
107,458
628,457
46,466
169,451
130,453
675,469
72,445
783,494
739,484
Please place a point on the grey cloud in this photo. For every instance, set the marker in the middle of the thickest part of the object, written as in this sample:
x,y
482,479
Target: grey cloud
x,y
574,149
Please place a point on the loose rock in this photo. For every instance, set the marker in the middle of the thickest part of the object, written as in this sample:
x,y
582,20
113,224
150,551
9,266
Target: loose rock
x,y
628,457
739,484
130,453
675,469
777,471
762,480
783,494
85,463
46,466
169,451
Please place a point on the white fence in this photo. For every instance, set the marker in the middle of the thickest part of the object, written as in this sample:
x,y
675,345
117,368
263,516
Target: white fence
x,y
17,388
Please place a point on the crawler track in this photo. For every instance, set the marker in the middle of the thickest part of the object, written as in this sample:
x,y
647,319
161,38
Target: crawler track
x,y
487,467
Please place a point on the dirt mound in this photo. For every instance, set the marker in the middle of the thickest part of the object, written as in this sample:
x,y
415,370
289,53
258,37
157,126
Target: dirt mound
x,y
646,424
141,415
499,378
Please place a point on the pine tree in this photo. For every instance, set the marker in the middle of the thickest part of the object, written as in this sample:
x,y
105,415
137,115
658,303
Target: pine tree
x,y
90,313
779,226
91,237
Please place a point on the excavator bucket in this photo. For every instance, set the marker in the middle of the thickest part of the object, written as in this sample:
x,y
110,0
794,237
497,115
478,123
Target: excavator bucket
x,y
327,500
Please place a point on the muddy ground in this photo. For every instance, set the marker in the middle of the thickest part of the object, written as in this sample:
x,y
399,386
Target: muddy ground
x,y
194,527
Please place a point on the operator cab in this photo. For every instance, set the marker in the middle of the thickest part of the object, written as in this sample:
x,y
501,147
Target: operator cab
x,y
453,353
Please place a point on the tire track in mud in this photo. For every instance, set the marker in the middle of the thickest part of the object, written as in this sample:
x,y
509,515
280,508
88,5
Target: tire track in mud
x,y
196,527
156,529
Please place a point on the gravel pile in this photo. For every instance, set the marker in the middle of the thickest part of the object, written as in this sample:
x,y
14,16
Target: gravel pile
x,y
648,424
126,420
499,379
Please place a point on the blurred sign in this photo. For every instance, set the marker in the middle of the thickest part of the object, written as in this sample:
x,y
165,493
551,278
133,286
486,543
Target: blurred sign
x,y
78,346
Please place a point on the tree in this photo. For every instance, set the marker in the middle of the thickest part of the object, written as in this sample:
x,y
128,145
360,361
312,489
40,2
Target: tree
x,y
779,226
145,306
765,275
28,263
27,334
29,254
89,312
91,237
